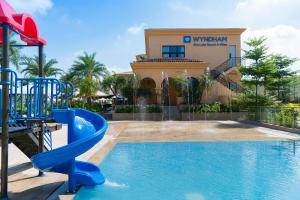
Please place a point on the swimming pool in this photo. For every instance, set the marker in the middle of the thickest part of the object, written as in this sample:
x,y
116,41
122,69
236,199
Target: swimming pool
x,y
198,171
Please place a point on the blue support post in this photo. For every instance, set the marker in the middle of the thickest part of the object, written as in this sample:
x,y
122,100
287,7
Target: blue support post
x,y
71,130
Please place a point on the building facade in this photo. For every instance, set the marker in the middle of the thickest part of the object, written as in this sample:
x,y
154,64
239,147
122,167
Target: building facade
x,y
190,53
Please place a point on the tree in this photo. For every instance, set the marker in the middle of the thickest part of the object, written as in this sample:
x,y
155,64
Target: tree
x,y
86,65
295,85
113,83
245,101
32,67
129,90
259,67
88,87
180,85
66,77
86,73
282,76
192,89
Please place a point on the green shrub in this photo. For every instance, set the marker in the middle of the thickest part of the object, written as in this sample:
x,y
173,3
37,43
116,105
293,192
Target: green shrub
x,y
286,116
215,107
95,106
138,109
244,101
153,109
127,109
282,115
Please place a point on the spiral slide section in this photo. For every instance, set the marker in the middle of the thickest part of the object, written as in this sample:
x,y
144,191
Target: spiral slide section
x,y
85,129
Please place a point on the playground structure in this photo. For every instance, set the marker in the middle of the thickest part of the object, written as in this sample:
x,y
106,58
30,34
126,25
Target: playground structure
x,y
28,104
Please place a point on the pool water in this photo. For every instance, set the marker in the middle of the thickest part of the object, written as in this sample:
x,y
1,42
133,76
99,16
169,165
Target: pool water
x,y
200,171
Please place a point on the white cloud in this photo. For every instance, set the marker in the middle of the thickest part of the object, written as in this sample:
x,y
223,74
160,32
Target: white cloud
x,y
252,5
281,39
263,11
31,6
185,8
136,29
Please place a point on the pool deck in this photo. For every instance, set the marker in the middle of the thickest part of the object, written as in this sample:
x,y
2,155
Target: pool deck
x,y
195,131
25,184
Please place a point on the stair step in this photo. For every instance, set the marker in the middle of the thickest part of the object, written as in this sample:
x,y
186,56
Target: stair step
x,y
27,143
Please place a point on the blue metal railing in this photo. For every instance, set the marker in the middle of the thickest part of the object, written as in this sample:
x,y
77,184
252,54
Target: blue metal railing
x,y
67,91
47,137
34,98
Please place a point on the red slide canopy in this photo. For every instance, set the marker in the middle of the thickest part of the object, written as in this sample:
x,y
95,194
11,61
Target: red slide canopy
x,y
22,23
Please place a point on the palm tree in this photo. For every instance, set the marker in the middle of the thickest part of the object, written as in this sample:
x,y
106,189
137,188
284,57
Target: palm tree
x,y
88,87
86,66
86,73
14,53
32,67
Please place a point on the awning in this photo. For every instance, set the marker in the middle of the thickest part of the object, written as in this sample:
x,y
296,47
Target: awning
x,y
23,24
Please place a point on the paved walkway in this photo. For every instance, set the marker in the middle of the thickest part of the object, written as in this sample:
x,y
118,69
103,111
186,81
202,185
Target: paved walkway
x,y
171,131
24,183
23,180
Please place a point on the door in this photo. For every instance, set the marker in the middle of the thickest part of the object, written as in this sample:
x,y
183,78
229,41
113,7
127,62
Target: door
x,y
232,55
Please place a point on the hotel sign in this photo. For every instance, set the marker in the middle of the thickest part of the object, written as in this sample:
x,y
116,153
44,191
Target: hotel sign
x,y
206,40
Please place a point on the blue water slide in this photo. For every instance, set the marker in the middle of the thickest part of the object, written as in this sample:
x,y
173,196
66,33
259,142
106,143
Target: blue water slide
x,y
85,129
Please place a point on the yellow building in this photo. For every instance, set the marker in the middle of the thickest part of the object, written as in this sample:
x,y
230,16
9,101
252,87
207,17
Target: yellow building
x,y
190,52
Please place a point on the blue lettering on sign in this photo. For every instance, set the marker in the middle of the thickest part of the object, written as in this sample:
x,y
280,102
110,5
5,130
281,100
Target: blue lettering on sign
x,y
206,40
187,39
196,39
210,39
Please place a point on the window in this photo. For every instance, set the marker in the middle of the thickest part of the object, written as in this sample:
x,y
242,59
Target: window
x,y
232,86
173,51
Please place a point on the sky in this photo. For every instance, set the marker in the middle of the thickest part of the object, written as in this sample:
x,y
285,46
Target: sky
x,y
114,29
